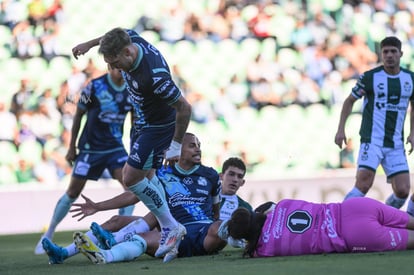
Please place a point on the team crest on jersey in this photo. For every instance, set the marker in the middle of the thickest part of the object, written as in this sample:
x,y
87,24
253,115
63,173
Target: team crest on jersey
x,y
202,181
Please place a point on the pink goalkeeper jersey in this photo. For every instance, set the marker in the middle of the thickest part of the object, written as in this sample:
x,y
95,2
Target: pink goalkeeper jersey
x,y
296,227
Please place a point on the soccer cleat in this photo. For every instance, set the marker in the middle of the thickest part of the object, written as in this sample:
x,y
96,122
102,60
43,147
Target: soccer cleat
x,y
105,238
169,239
56,253
39,247
237,243
171,255
88,248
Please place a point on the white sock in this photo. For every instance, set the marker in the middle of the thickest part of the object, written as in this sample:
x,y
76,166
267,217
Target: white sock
x,y
126,251
153,199
131,229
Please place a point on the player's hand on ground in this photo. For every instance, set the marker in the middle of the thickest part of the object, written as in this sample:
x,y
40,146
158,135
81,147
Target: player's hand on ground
x,y
84,209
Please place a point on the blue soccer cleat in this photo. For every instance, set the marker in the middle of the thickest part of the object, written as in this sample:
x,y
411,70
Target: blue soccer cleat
x,y
56,253
105,238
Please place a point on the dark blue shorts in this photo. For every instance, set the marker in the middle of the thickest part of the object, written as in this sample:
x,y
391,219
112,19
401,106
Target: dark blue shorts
x,y
91,165
148,147
193,242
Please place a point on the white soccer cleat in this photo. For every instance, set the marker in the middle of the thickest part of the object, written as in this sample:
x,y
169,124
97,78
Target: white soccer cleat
x,y
171,255
169,239
88,248
39,247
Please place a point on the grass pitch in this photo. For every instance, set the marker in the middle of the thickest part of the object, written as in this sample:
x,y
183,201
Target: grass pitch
x,y
16,257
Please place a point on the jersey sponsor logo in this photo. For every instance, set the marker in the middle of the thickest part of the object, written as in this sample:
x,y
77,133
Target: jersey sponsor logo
x,y
163,87
329,224
278,228
177,199
201,191
393,242
299,221
110,117
379,105
154,196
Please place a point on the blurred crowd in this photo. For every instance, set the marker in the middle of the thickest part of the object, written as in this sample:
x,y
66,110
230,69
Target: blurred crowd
x,y
314,52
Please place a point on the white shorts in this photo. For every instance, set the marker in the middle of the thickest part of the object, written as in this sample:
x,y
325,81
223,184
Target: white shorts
x,y
393,161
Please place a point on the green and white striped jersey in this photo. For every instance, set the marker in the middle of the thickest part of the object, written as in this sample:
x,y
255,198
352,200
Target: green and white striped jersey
x,y
386,100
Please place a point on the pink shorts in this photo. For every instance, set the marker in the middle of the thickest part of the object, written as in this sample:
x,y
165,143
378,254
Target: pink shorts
x,y
368,225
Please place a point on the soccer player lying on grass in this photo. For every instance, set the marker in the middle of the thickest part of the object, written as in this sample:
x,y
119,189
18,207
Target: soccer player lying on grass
x,y
295,227
188,204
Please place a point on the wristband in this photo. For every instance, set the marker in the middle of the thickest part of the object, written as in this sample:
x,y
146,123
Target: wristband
x,y
174,150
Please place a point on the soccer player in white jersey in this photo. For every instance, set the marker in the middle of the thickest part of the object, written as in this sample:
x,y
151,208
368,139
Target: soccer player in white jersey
x,y
232,178
387,91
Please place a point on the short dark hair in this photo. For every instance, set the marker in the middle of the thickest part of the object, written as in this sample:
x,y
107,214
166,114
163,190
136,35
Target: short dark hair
x,y
391,41
112,43
233,161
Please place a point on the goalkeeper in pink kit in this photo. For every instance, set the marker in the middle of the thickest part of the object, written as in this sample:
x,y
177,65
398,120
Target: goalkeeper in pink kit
x,y
296,227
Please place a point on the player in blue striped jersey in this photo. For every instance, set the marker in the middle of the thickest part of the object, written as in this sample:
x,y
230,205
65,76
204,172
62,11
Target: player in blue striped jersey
x,y
387,91
105,103
159,128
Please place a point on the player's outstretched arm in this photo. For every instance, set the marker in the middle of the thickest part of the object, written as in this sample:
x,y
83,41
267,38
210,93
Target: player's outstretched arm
x,y
89,207
83,48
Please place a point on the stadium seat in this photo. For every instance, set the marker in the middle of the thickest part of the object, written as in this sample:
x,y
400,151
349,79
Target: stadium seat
x,y
7,175
35,67
250,48
30,151
60,67
287,57
8,153
151,36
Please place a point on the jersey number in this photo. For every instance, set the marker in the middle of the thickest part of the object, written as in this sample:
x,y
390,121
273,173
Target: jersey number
x,y
299,221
